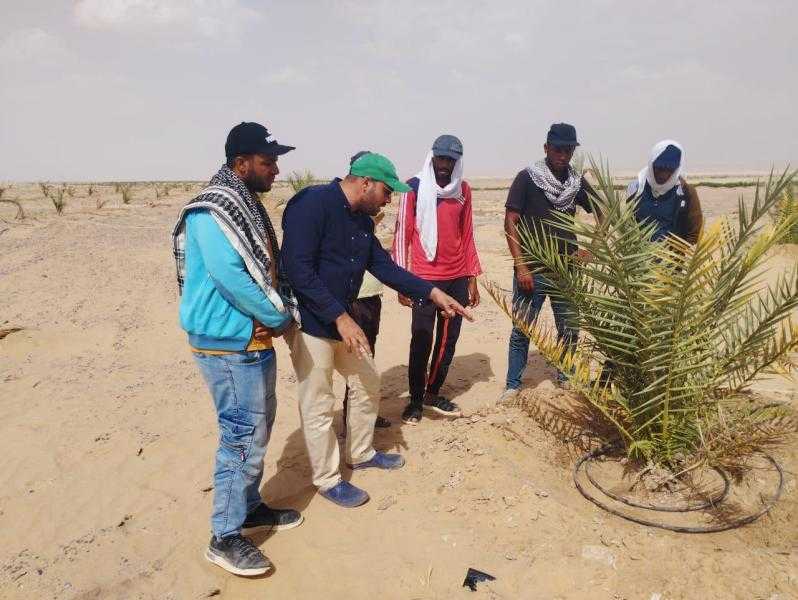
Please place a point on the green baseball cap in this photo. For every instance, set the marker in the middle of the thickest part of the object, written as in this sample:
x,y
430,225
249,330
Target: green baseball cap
x,y
379,168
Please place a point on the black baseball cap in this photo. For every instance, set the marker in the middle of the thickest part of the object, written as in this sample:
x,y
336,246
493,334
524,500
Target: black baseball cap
x,y
562,134
253,138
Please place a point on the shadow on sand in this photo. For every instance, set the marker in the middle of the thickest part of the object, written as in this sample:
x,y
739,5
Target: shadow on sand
x,y
291,485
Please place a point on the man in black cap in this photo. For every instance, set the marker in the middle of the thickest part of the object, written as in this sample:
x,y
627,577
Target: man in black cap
x,y
537,193
231,307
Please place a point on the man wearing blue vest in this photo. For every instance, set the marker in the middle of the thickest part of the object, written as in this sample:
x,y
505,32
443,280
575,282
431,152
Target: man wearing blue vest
x,y
664,198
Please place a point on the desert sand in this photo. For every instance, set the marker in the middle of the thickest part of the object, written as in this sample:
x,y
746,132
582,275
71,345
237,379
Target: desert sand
x,y
108,433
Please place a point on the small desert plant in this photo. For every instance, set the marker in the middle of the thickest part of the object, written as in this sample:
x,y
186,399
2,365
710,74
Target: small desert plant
x,y
161,189
69,190
675,334
90,190
299,181
20,213
126,189
55,193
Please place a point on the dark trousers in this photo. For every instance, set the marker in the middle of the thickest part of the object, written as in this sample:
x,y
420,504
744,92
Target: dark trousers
x,y
426,319
366,313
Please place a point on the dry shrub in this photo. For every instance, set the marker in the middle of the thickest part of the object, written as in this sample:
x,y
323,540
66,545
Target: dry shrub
x,y
126,190
300,180
20,212
55,193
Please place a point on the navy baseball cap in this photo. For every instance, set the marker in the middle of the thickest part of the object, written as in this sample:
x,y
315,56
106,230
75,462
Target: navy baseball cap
x,y
562,134
447,145
253,138
670,158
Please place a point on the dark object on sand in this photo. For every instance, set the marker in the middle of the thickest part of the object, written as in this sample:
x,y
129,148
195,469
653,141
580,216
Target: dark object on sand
x,y
473,577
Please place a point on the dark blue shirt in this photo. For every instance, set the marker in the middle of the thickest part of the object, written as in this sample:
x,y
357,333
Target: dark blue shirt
x,y
662,211
326,250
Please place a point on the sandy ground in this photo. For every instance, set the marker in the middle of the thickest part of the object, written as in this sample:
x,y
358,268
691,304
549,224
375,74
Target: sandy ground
x,y
107,437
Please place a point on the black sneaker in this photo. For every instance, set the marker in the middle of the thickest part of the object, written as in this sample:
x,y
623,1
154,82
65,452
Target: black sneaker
x,y
277,519
442,406
238,555
380,423
411,414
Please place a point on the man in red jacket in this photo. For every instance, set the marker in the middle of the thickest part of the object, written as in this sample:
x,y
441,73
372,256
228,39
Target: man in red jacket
x,y
434,239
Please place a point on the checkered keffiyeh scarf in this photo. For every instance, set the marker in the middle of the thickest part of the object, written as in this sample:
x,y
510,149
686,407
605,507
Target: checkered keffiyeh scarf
x,y
562,196
248,228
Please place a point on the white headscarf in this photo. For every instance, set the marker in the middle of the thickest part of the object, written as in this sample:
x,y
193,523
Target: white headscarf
x,y
427,202
646,175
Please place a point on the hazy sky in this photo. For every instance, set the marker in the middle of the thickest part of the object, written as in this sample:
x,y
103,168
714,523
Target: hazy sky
x,y
148,89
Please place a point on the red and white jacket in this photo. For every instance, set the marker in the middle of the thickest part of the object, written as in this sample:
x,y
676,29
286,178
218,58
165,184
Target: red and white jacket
x,y
456,255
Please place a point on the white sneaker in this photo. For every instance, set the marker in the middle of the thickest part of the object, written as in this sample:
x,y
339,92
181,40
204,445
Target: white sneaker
x,y
508,397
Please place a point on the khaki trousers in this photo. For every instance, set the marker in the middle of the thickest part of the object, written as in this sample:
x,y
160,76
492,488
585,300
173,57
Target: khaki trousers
x,y
314,360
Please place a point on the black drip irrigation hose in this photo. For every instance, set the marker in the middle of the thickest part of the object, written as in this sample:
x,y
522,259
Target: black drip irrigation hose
x,y
710,503
593,454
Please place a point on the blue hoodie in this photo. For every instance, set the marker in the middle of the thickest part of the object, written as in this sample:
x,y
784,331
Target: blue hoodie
x,y
220,299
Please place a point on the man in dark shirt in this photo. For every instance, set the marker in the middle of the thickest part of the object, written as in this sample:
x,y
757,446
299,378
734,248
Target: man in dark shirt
x,y
328,245
536,194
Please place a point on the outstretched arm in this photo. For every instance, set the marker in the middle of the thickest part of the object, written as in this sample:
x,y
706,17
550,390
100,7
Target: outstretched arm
x,y
395,277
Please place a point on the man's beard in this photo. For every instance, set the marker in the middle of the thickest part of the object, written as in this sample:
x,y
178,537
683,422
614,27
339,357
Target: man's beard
x,y
372,205
257,186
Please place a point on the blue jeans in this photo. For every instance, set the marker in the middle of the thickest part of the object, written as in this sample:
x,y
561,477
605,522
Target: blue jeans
x,y
519,343
242,386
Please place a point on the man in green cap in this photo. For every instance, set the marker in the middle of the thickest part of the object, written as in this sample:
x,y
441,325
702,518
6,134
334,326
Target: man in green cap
x,y
328,245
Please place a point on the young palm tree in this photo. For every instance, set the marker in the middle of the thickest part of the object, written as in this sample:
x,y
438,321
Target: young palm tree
x,y
787,208
674,333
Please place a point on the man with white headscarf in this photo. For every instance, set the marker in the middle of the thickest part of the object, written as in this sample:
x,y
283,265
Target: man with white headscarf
x,y
434,240
664,198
